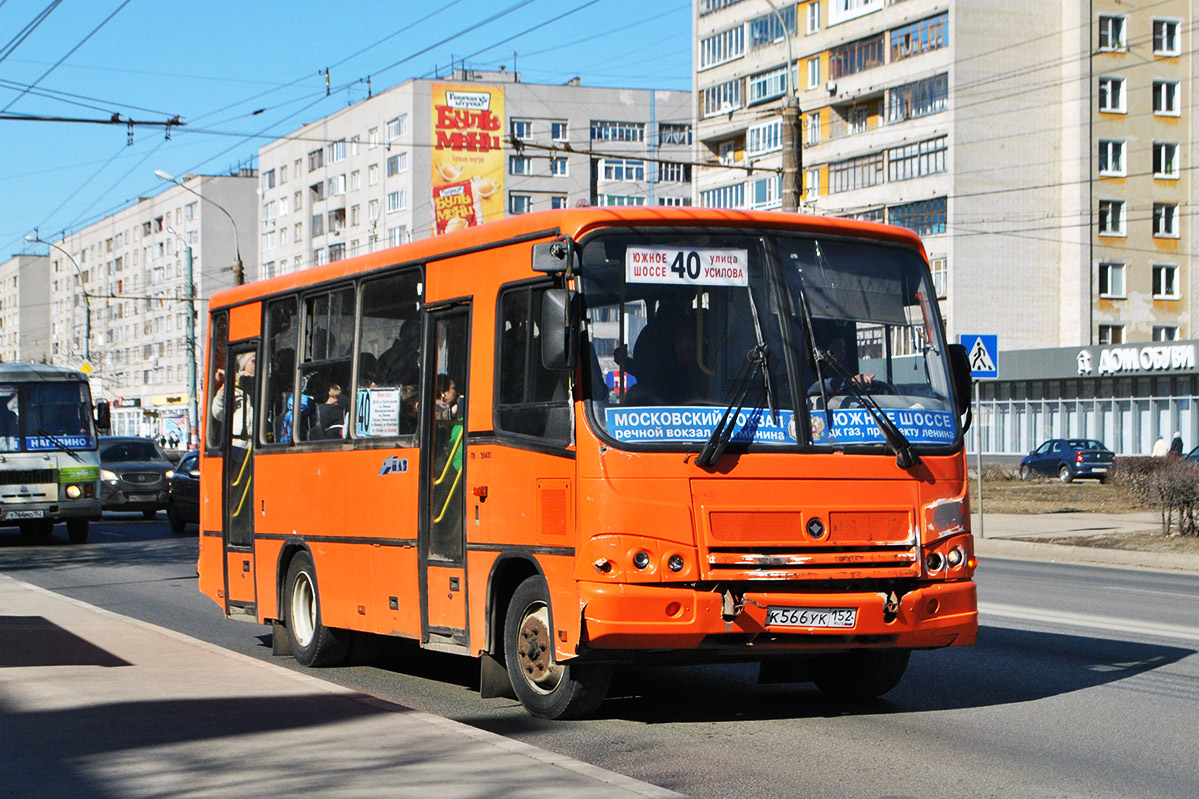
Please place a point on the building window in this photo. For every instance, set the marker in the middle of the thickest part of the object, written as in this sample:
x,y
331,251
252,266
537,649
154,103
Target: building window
x,y
558,201
372,175
337,151
1111,157
372,138
355,180
1111,95
1111,33
520,203
674,202
1165,333
397,201
355,215
1165,220
674,173
1165,281
855,57
1111,280
855,173
926,217
767,29
1165,98
765,194
723,98
918,99
372,210
397,163
558,167
1111,217
813,128
397,235
812,184
559,131
1165,37
674,133
520,165
920,37
724,197
397,127
764,138
1111,334
813,16
722,47
917,160
623,169
522,129
1165,160
337,185
316,159
603,130
813,72
940,269
768,85
621,200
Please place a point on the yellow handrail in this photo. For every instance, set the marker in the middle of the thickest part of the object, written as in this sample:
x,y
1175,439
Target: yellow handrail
x,y
449,496
449,458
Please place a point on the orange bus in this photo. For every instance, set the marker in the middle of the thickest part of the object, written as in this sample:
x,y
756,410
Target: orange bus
x,y
590,437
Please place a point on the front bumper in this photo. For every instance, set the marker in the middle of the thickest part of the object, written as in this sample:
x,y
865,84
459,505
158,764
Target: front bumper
x,y
133,499
657,617
15,513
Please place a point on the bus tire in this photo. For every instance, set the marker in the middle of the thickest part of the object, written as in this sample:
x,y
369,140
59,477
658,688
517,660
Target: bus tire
x,y
861,674
312,643
547,689
77,531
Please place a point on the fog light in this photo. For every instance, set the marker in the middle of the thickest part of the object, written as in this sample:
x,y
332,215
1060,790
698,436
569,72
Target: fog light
x,y
74,492
641,560
675,564
603,565
673,609
955,557
935,562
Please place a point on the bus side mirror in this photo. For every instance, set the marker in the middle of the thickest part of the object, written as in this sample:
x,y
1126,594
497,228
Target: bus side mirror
x,y
559,342
552,257
959,366
103,416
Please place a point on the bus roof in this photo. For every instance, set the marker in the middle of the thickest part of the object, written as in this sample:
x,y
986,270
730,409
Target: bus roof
x,y
573,222
39,371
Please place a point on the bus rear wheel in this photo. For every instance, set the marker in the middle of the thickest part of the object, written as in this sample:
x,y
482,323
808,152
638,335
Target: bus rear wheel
x,y
547,689
77,531
861,674
312,643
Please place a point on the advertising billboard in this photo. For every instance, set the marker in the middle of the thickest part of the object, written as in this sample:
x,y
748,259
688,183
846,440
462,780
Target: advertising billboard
x,y
468,156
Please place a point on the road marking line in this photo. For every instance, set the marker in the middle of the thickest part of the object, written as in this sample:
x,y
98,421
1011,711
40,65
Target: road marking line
x,y
1106,623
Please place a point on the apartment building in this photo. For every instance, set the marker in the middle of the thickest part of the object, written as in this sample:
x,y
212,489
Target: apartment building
x,y
431,155
1042,151
124,278
24,300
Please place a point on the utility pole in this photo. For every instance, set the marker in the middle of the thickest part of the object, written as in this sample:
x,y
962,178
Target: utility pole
x,y
193,416
792,178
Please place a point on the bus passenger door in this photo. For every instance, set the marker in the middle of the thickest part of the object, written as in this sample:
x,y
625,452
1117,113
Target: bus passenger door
x,y
442,543
239,395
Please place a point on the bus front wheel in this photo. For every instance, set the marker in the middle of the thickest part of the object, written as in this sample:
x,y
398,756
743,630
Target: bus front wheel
x,y
547,689
861,674
312,643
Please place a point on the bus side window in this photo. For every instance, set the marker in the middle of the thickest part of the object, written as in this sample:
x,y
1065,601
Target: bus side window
x,y
530,399
388,357
216,379
328,342
282,331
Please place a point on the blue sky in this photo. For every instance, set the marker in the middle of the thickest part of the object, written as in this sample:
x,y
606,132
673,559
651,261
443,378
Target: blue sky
x,y
240,73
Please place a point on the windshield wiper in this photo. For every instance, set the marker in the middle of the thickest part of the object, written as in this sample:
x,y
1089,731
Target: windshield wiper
x,y
757,359
904,457
41,431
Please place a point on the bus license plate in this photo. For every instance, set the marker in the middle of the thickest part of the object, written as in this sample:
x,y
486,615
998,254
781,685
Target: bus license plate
x,y
25,514
833,618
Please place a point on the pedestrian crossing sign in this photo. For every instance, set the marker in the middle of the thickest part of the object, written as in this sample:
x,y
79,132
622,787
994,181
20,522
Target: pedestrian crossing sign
x,y
983,353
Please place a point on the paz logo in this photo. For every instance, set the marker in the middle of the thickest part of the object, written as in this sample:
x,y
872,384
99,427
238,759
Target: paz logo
x,y
394,465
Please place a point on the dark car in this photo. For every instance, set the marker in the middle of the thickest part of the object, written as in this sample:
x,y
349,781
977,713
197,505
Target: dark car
x,y
183,493
134,473
1069,458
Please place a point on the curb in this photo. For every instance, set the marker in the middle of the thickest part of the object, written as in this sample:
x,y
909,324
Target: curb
x,y
1091,556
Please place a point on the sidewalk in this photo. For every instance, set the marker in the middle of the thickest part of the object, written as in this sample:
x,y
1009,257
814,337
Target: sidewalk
x,y
1014,535
97,705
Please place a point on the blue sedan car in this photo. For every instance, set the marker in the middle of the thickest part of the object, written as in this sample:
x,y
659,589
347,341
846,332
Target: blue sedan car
x,y
1068,459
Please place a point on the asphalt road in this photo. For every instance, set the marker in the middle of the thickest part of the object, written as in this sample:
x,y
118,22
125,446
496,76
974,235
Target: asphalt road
x,y
1084,683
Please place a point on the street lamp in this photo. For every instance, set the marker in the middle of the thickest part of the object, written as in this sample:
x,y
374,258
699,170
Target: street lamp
x,y
239,275
792,188
193,414
33,238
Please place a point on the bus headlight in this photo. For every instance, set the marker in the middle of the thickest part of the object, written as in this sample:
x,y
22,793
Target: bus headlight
x,y
74,492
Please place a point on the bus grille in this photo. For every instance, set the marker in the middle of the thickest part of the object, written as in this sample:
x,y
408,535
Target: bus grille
x,y
28,476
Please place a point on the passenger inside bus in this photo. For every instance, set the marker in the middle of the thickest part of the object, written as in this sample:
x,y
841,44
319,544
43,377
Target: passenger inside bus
x,y
664,357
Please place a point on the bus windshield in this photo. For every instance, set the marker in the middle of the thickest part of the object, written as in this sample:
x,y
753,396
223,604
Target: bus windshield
x,y
45,416
789,336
